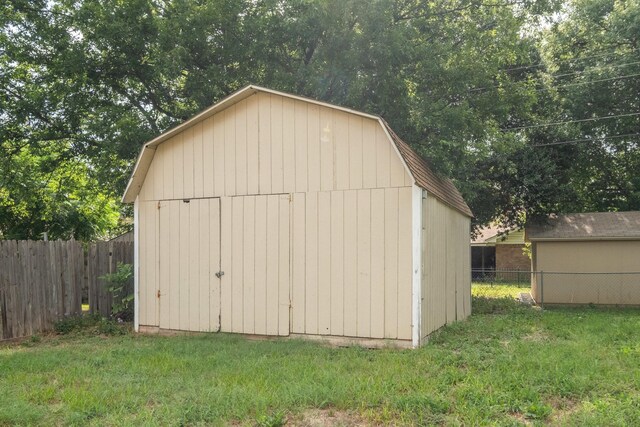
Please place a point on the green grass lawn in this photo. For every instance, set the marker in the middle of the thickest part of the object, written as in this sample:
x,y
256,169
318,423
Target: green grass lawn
x,y
506,365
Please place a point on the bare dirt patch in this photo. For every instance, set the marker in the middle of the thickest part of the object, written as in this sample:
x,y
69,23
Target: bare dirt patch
x,y
328,417
536,335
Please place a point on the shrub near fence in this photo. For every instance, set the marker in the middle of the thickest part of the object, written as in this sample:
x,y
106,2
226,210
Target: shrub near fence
x,y
41,282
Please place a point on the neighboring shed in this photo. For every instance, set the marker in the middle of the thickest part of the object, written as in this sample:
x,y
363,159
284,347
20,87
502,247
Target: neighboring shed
x,y
496,248
571,249
272,214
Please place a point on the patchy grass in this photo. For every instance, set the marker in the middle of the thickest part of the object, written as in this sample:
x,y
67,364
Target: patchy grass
x,y
496,298
512,366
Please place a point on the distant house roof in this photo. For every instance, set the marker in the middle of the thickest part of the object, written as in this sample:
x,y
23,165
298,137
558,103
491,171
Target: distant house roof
x,y
588,226
492,234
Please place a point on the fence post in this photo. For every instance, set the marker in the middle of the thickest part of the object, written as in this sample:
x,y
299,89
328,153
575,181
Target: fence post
x,y
542,290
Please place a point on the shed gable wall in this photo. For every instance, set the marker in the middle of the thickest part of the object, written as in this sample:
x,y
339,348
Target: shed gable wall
x,y
269,144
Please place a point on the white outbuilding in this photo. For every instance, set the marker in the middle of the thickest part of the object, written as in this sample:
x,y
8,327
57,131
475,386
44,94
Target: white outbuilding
x,y
273,214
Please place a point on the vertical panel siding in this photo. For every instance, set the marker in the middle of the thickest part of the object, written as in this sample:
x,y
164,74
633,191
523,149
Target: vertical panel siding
x,y
174,256
261,275
149,284
267,144
264,136
327,177
188,162
355,151
272,288
311,263
369,154
208,185
214,290
364,264
337,262
242,157
184,288
164,253
219,157
350,281
253,147
348,275
248,265
300,141
277,169
193,283
165,160
446,278
177,154
341,141
228,121
313,147
288,146
324,263
198,160
237,263
377,263
298,291
391,228
226,245
284,270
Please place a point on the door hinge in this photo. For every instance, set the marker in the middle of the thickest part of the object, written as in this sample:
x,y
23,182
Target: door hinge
x,y
158,205
219,274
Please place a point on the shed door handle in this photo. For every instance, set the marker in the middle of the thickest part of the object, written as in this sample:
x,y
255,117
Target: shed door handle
x,y
219,274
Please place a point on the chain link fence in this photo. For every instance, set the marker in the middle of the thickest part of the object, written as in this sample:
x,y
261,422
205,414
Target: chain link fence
x,y
561,288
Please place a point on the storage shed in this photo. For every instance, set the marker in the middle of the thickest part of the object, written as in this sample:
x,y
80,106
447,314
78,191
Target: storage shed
x,y
273,214
587,258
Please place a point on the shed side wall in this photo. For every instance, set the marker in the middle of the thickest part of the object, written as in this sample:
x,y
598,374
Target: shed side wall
x,y
446,266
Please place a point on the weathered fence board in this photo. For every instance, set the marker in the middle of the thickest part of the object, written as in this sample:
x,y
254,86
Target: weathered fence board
x,y
41,282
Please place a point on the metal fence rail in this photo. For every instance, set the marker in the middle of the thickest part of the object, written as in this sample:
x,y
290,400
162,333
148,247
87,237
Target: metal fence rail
x,y
566,288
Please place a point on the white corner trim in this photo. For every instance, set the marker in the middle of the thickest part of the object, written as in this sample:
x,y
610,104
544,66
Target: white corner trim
x,y
416,238
136,264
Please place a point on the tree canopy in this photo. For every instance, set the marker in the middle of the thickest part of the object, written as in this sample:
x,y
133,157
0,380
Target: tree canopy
x,y
531,107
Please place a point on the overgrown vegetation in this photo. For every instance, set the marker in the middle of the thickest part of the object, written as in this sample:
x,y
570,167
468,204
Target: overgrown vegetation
x,y
90,324
120,285
515,366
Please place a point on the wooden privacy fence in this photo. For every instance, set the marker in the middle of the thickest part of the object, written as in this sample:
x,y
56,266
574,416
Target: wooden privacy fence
x,y
41,282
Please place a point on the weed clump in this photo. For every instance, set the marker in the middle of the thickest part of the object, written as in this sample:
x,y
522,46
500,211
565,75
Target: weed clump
x,y
89,324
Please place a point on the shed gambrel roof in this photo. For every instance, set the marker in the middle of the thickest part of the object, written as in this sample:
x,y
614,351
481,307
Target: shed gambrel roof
x,y
588,226
441,188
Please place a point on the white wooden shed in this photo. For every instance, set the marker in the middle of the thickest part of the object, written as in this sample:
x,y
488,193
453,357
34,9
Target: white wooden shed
x,y
273,214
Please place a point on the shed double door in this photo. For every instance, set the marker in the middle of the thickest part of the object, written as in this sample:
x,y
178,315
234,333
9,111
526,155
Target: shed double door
x,y
224,264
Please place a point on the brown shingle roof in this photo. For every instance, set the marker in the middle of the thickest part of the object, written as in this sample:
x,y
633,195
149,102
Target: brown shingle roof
x,y
593,225
441,188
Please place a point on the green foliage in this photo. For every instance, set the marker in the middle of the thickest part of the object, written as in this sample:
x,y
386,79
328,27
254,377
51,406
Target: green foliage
x,y
119,285
277,419
89,324
85,83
